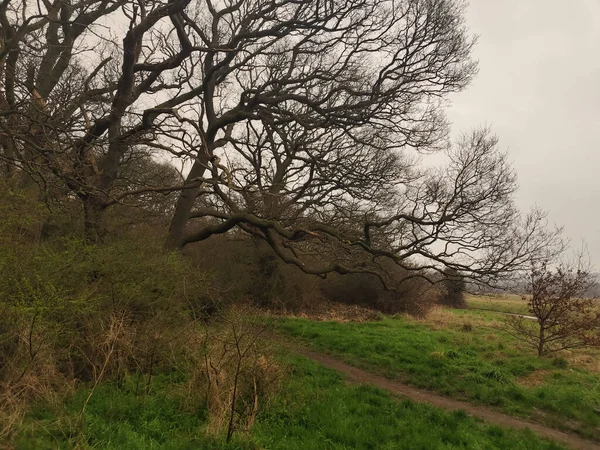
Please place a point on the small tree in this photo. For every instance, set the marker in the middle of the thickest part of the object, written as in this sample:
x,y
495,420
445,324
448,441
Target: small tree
x,y
566,317
454,286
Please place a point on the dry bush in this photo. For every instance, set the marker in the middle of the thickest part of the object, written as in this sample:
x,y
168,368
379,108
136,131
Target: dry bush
x,y
419,297
440,317
323,310
467,327
38,366
301,292
353,289
250,270
237,377
235,374
453,289
228,259
587,359
534,379
72,313
437,317
29,375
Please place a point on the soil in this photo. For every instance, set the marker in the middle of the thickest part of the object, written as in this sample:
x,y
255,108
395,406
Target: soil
x,y
534,379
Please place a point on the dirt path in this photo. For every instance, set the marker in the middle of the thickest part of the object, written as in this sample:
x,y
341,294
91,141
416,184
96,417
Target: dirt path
x,y
506,313
423,396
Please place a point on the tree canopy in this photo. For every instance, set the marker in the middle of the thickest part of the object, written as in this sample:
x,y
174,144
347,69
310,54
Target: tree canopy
x,y
301,123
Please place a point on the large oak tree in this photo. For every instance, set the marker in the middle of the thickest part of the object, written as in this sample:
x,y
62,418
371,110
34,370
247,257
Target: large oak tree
x,y
302,124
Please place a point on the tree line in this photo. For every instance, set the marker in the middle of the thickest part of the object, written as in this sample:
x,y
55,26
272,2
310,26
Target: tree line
x,y
299,123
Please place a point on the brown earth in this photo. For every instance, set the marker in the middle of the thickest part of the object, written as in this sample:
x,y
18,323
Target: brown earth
x,y
534,379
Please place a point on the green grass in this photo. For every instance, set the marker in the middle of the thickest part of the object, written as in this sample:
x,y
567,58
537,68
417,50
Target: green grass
x,y
315,409
482,366
117,418
502,303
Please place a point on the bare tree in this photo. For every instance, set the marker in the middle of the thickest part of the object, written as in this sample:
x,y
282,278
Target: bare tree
x,y
330,204
322,65
310,122
78,95
303,122
566,318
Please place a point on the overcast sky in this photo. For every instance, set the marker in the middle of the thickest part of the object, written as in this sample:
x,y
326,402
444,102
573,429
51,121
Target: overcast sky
x,y
538,88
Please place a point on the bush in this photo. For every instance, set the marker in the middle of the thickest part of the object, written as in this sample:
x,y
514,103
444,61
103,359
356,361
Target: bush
x,y
268,286
467,327
453,288
251,271
71,312
415,297
561,363
233,376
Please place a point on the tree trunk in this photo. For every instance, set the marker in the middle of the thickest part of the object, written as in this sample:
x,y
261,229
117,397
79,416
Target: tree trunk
x,y
93,213
268,284
102,175
185,203
542,340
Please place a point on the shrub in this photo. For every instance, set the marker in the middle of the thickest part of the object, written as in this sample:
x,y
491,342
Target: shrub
x,y
453,287
21,217
452,354
467,327
234,376
561,363
415,297
72,312
496,375
268,285
251,271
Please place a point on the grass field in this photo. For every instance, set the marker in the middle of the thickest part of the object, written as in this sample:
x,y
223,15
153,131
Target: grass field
x,y
316,409
505,303
467,354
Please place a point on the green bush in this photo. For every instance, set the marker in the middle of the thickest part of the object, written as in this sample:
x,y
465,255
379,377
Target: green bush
x,y
70,289
72,312
561,363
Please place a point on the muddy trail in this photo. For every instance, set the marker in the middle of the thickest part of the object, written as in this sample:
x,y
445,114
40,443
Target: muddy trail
x,y
423,396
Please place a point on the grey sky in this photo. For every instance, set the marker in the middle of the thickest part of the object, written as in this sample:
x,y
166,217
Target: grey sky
x,y
538,88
